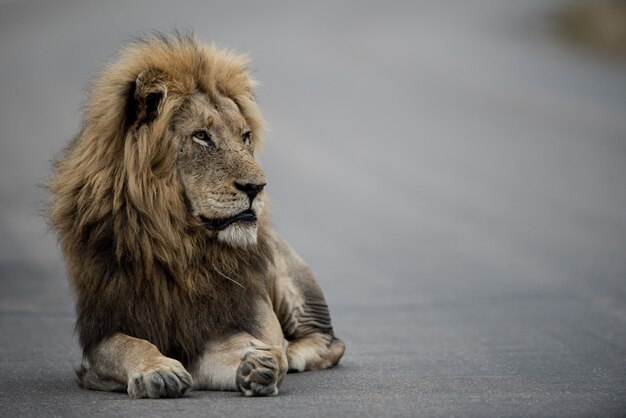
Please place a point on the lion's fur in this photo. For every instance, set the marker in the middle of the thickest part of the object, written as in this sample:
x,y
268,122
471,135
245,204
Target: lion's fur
x,y
139,263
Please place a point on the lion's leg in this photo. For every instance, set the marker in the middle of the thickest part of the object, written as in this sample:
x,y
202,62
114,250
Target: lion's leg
x,y
317,351
254,366
313,345
241,362
126,363
303,313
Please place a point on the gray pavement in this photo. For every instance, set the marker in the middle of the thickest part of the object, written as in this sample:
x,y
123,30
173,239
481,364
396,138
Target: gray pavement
x,y
453,174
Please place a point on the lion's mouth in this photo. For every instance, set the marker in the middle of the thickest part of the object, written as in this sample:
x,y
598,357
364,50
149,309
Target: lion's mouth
x,y
222,223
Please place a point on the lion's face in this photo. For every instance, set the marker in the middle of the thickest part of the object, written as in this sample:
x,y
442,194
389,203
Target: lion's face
x,y
216,167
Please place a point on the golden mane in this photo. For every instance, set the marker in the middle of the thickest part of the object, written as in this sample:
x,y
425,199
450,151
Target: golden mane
x,y
136,257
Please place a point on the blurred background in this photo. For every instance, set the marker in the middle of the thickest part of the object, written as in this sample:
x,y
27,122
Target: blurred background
x,y
454,172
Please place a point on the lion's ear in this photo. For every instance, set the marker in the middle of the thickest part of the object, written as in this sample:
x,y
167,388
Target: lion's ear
x,y
149,92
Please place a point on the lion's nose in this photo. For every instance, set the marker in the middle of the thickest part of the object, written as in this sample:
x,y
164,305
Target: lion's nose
x,y
251,189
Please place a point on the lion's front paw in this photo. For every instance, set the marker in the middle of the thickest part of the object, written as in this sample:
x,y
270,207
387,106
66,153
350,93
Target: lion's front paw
x,y
261,371
162,378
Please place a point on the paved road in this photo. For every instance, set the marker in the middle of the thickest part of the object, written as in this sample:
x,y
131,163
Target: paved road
x,y
455,177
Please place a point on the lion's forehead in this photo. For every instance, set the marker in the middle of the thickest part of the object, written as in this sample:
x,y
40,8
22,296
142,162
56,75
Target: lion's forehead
x,y
220,110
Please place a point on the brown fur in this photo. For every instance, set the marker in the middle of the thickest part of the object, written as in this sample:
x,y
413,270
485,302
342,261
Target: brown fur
x,y
122,220
141,262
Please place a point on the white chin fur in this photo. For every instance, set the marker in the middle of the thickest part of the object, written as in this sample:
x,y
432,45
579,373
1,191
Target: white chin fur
x,y
239,235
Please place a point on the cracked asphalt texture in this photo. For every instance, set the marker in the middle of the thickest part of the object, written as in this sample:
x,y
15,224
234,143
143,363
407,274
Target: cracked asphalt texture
x,y
454,175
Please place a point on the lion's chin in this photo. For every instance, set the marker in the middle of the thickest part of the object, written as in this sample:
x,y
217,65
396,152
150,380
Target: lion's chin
x,y
239,234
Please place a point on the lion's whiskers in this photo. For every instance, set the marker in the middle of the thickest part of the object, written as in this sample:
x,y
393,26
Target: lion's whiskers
x,y
228,278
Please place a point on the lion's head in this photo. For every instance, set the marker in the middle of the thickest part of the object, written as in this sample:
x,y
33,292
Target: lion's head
x,y
167,145
214,125
215,164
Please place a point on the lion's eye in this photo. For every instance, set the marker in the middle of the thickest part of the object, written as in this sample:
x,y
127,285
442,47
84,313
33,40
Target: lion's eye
x,y
201,137
246,137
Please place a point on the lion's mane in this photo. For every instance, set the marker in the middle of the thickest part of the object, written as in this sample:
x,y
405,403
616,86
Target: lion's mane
x,y
137,260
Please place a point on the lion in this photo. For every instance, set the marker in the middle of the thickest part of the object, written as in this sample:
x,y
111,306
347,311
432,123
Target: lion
x,y
159,205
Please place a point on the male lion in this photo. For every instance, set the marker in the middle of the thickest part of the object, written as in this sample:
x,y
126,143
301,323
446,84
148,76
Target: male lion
x,y
180,281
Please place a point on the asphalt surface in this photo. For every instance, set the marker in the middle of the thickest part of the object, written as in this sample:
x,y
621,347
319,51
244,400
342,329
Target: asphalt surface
x,y
455,176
